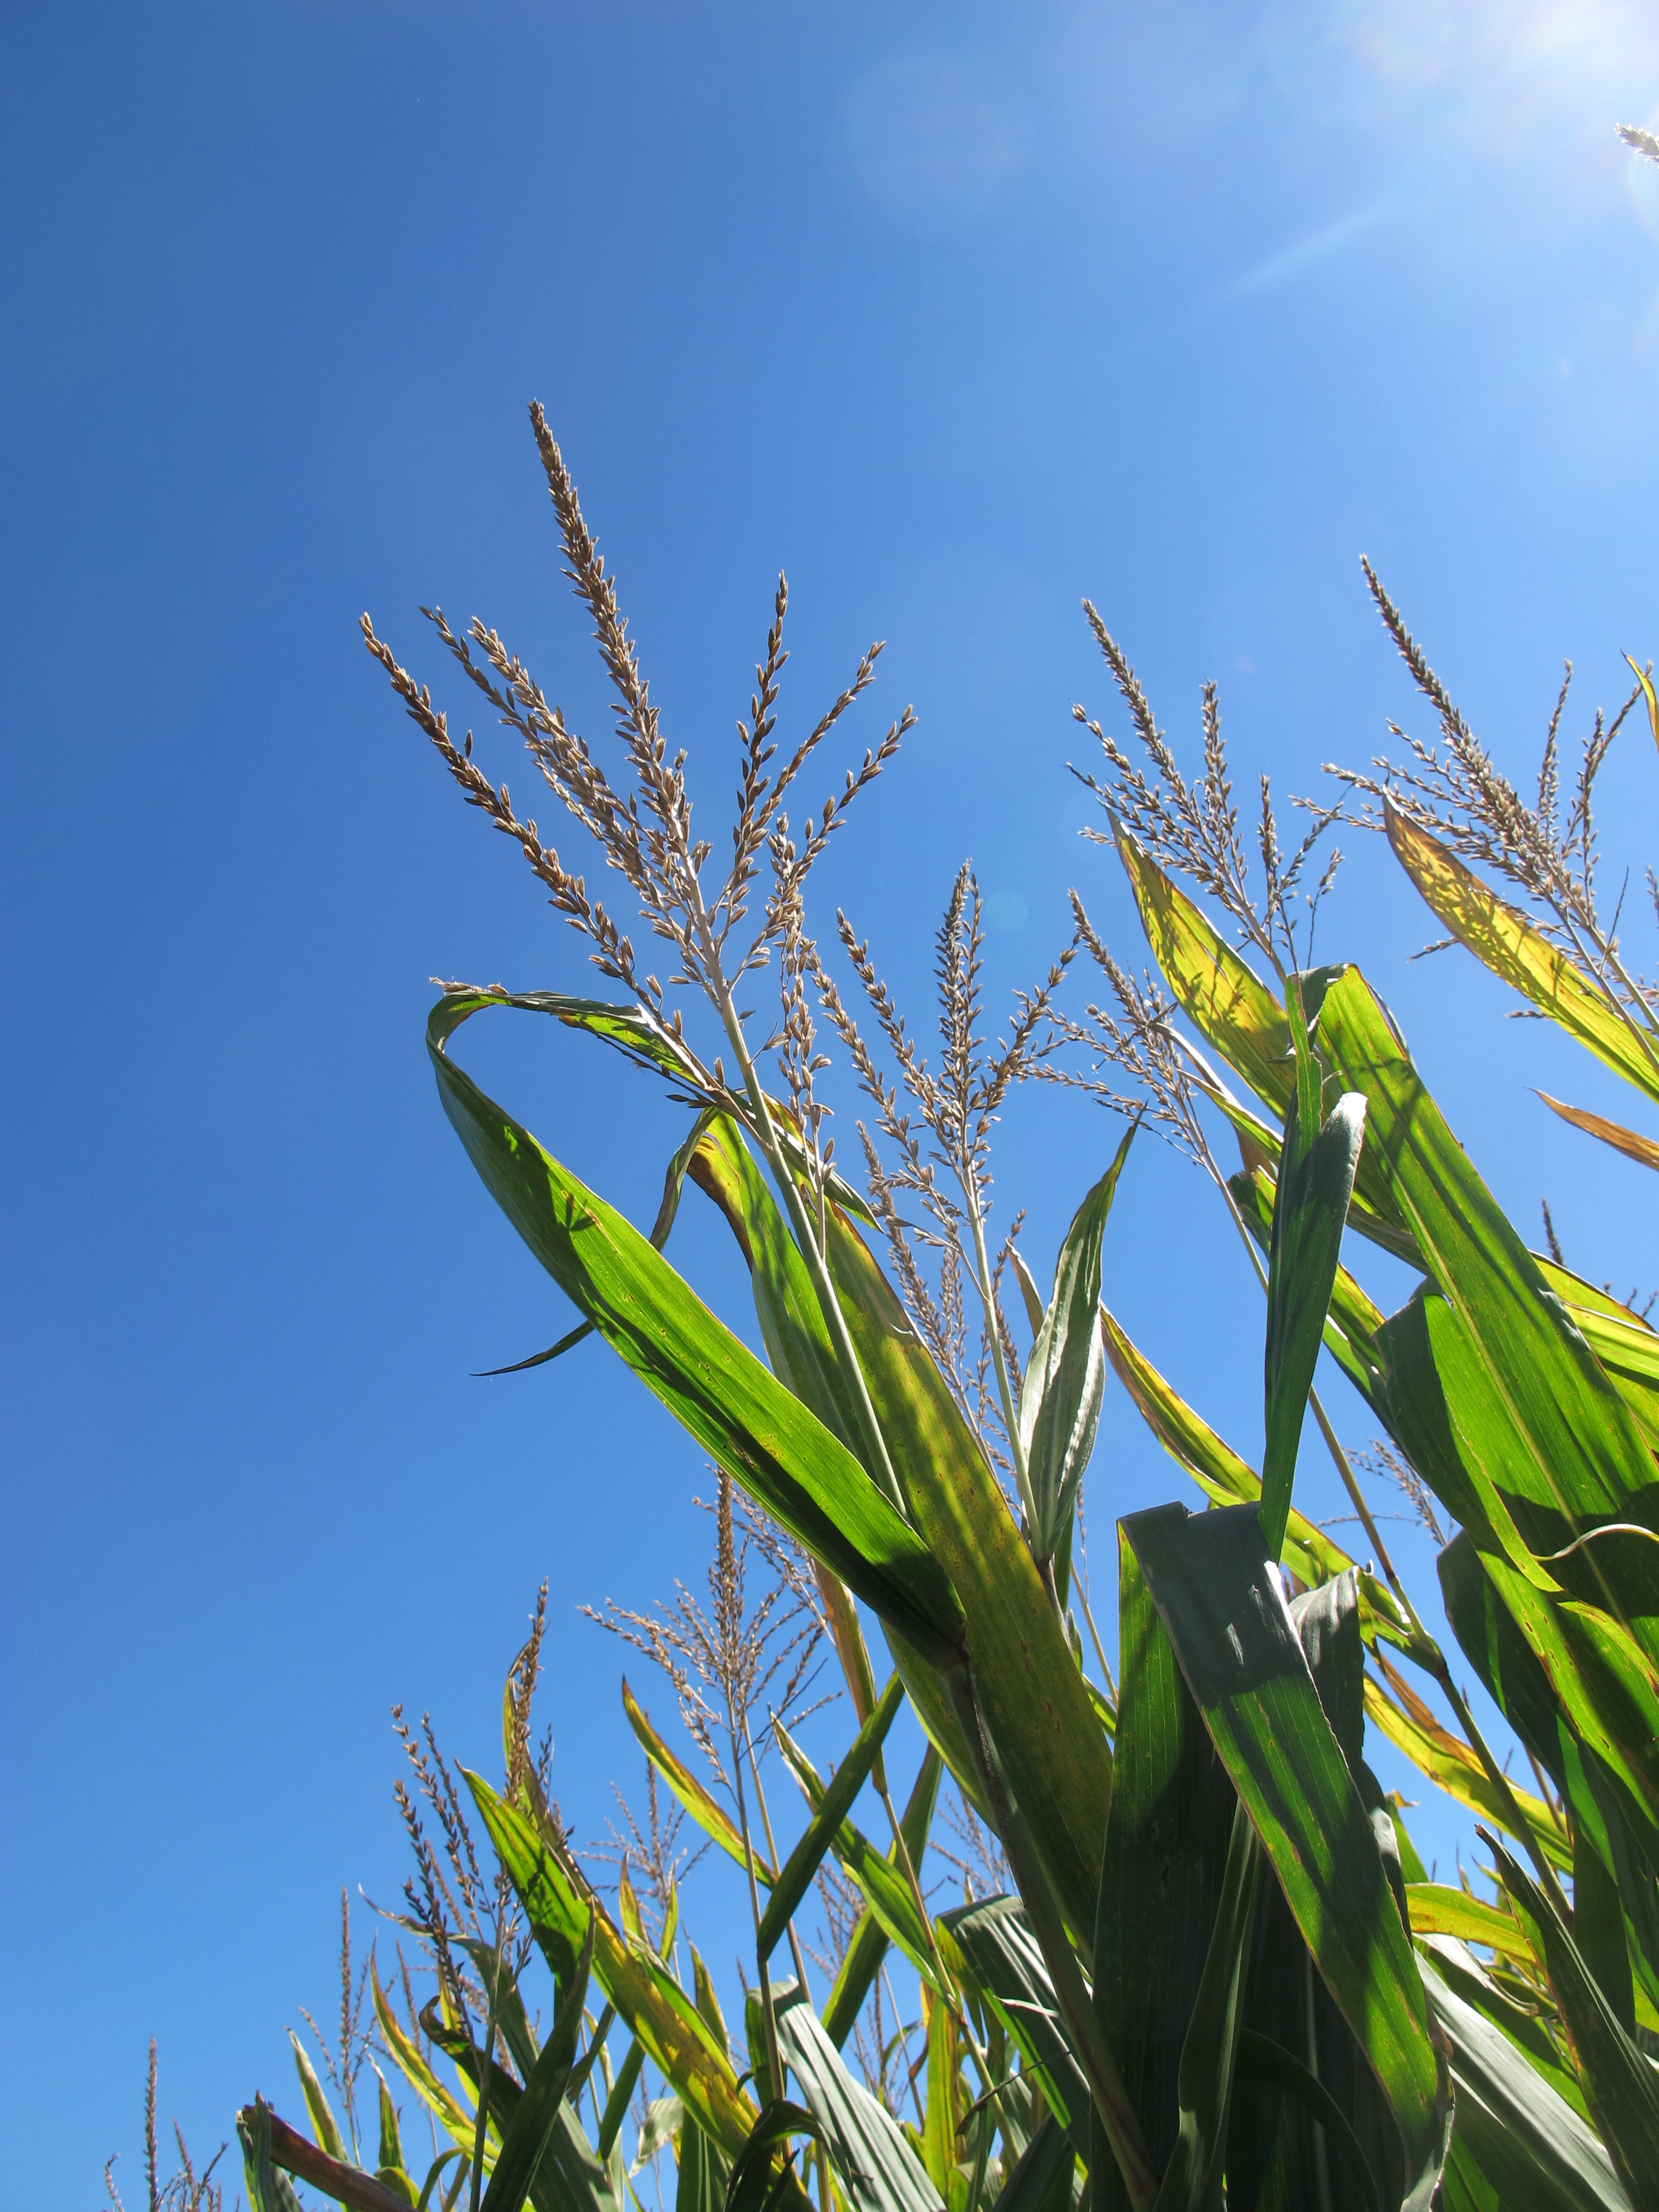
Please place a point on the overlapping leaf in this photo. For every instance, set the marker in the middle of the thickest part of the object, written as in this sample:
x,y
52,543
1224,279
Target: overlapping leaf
x,y
765,1438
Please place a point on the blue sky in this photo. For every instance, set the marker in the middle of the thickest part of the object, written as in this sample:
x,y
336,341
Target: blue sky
x,y
958,314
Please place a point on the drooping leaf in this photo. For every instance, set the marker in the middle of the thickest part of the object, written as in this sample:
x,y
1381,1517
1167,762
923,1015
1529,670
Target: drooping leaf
x,y
1222,1605
767,1440
757,2182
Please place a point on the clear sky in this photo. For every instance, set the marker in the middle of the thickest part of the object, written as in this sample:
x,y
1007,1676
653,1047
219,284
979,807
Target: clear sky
x,y
957,313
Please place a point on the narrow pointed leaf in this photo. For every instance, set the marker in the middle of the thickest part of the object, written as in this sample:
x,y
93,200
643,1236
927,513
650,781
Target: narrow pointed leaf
x,y
324,2126
862,1962
1642,1150
1065,1375
709,1816
849,1777
1502,939
1315,1182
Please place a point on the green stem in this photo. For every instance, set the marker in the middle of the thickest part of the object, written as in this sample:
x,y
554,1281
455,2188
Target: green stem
x,y
768,2015
772,1852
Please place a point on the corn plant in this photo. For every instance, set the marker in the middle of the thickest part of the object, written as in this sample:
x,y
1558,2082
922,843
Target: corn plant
x,y
1216,1972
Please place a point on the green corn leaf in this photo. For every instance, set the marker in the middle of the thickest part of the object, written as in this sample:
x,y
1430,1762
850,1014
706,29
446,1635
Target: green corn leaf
x,y
1065,1375
1030,1296
1192,2180
1619,2084
757,2183
1625,1344
865,1952
1234,1010
392,2147
411,2063
1315,1182
670,2031
708,2002
565,2176
1526,2021
1160,1884
703,2172
1031,1693
528,2135
1006,1963
1352,1319
876,2166
767,1440
616,2104
1502,939
1261,2059
269,2189
324,2125
1410,1725
1525,2146
940,2116
1274,2153
1041,2179
1228,1004
1220,1601
667,1212
797,1341
710,1817
884,1888
1583,1454
1309,1552
845,1784
1435,1909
